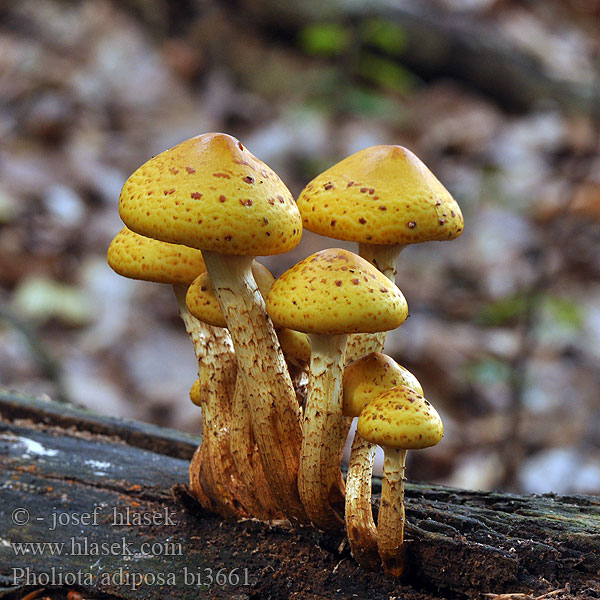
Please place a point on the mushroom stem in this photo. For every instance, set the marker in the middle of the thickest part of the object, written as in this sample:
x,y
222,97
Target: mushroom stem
x,y
319,479
385,259
213,473
261,365
360,526
390,522
247,460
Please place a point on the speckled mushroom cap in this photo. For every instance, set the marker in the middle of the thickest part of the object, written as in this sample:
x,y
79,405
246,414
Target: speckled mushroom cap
x,y
369,376
334,291
400,418
138,257
380,195
203,303
211,193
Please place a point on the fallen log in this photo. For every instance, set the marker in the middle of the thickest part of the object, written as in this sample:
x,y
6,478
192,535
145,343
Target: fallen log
x,y
85,503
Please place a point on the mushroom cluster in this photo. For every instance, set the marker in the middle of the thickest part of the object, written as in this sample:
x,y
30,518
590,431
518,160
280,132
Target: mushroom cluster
x,y
285,364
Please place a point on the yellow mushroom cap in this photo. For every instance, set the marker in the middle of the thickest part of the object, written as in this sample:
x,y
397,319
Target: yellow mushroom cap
x,y
380,195
196,393
138,257
369,376
203,303
400,418
334,291
294,345
211,193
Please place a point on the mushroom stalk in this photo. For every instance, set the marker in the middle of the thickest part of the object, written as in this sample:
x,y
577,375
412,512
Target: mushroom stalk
x,y
213,472
261,365
319,476
383,258
360,526
391,519
247,460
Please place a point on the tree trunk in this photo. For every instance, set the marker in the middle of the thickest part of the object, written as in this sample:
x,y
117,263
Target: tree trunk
x,y
85,482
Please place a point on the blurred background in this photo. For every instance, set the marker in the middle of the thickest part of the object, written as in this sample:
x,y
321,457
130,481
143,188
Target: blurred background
x,y
500,98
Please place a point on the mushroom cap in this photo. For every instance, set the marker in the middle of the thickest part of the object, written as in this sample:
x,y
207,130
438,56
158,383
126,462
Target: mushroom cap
x,y
366,378
137,257
400,418
294,345
211,193
196,393
380,195
334,291
203,303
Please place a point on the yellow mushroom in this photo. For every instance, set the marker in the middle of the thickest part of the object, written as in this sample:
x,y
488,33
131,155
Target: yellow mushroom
x,y
138,257
328,295
384,198
212,194
399,419
364,380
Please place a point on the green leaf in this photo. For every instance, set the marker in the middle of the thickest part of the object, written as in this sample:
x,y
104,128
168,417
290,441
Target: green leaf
x,y
328,39
386,73
503,311
384,35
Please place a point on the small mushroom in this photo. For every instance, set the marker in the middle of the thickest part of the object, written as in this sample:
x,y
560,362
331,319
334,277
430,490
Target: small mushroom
x,y
398,420
328,295
364,380
212,194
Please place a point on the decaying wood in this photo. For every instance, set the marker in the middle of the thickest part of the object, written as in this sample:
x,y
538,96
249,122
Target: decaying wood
x,y
63,461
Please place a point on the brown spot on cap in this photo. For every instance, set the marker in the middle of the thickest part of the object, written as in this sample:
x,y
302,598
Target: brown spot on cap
x,y
169,191
246,202
222,198
248,179
174,170
190,170
333,221
328,186
338,282
196,195
362,220
411,224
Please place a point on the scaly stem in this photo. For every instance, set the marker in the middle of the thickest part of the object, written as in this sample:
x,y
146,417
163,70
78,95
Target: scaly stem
x,y
319,477
261,365
247,461
390,523
212,472
360,526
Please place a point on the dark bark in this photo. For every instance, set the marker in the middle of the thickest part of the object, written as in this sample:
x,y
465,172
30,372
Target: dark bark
x,y
460,543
